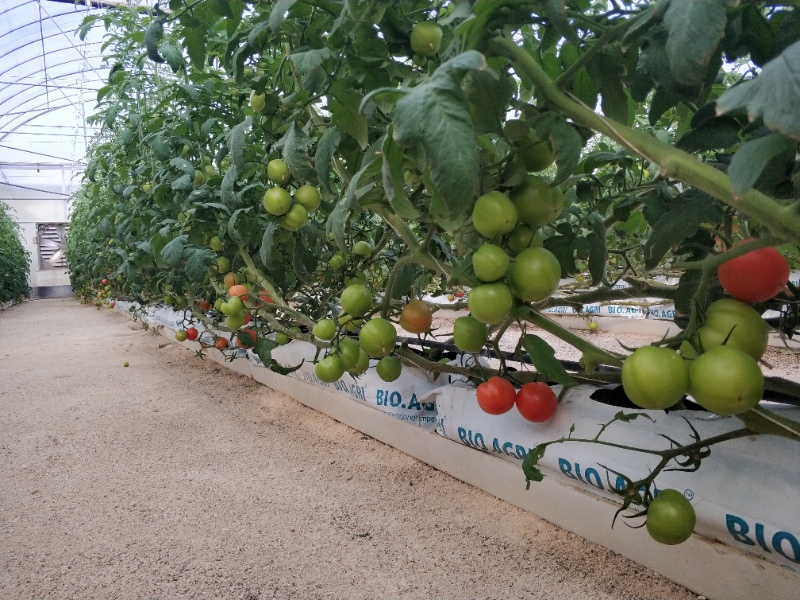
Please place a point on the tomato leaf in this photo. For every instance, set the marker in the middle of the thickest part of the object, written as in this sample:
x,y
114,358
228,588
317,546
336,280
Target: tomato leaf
x,y
264,349
197,263
267,244
763,420
530,465
184,183
296,144
226,187
695,28
184,165
324,156
152,35
172,252
173,57
236,139
683,219
544,359
434,115
712,134
308,61
343,105
278,14
392,174
752,158
488,94
772,96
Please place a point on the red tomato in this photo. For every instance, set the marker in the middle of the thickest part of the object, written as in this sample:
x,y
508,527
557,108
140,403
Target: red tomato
x,y
238,290
416,317
221,343
204,305
192,333
496,396
756,276
537,402
246,338
246,319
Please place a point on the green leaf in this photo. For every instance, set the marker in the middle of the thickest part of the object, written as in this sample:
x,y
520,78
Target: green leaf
x,y
308,61
278,14
434,115
324,156
236,140
713,134
598,252
772,96
683,219
343,104
296,144
184,165
770,422
695,29
173,57
232,231
567,144
226,188
544,359
661,103
197,263
172,253
558,19
268,244
751,159
606,72
281,370
264,349
530,465
392,174
488,94
183,183
221,7
152,35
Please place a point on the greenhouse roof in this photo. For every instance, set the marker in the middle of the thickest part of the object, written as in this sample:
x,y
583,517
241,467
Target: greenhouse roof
x,y
49,79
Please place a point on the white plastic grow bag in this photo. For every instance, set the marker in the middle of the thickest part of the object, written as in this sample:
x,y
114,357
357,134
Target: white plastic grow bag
x,y
745,494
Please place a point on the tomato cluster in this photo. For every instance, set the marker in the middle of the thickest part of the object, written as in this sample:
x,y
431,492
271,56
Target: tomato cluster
x,y
536,402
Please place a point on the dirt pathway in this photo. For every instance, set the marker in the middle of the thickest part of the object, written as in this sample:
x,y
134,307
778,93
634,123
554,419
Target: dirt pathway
x,y
175,478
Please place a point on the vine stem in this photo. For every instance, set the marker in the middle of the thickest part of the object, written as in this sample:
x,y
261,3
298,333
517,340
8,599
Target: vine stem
x,y
783,221
713,262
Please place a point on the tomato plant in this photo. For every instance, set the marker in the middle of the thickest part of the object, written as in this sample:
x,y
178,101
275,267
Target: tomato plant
x,y
536,402
496,396
670,518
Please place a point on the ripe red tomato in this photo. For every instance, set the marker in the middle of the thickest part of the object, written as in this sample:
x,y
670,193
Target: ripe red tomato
x,y
238,290
221,343
496,396
756,276
192,333
416,317
537,402
104,282
204,305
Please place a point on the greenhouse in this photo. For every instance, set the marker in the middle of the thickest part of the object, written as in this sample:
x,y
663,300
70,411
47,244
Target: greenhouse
x,y
365,299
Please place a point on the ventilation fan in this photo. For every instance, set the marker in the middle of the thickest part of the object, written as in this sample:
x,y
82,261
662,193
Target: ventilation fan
x,y
53,245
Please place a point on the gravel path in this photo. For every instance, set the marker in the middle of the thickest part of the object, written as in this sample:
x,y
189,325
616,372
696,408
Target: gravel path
x,y
175,478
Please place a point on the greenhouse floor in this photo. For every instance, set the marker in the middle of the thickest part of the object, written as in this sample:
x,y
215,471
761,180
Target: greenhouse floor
x,y
175,478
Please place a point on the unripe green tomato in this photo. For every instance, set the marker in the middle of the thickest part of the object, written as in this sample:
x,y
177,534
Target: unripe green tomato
x,y
181,335
282,339
349,351
490,303
670,518
654,378
494,214
330,368
534,274
235,321
218,304
295,218
524,236
257,101
308,197
277,171
490,262
146,187
216,244
740,323
169,299
325,329
223,264
362,249
726,381
377,337
277,201
593,326
389,368
356,278
536,202
336,261
199,177
362,364
469,334
426,38
537,155
233,306
356,300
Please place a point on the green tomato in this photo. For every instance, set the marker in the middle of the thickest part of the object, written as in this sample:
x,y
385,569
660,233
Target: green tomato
x,y
330,368
537,155
277,171
490,262
524,236
377,337
670,518
216,244
469,334
358,277
277,201
232,307
295,218
654,378
223,264
726,381
740,323
356,300
362,249
536,202
389,368
199,177
325,329
426,38
308,197
235,321
494,214
181,335
349,351
534,274
282,339
362,364
257,101
336,261
490,303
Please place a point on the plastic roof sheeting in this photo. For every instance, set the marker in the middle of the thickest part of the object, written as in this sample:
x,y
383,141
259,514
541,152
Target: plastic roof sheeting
x,y
49,79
